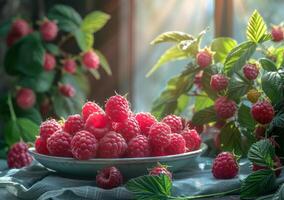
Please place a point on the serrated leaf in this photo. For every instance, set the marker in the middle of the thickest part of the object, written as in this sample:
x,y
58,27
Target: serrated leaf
x,y
104,62
272,85
222,46
29,129
267,64
52,48
265,38
256,28
32,114
172,36
95,73
231,138
279,195
238,87
94,21
204,116
278,120
85,40
202,102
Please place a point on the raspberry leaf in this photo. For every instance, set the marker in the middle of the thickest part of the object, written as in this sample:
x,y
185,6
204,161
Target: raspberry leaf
x,y
206,78
103,62
172,36
85,40
267,64
94,21
256,28
279,194
222,46
204,116
238,87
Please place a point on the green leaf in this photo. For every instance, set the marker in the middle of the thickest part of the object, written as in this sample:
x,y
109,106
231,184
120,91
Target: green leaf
x,y
52,48
231,138
272,85
29,130
238,56
278,120
204,116
267,64
202,102
172,36
5,27
95,73
256,28
238,87
85,40
150,187
104,62
94,21
222,46
258,183
205,81
32,114
279,195
182,103
12,132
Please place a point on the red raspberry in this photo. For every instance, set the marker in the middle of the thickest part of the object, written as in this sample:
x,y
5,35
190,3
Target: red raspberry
x,y
112,145
48,30
277,164
97,124
262,112
250,71
18,156
91,60
260,132
219,82
145,121
198,80
40,146
11,39
204,58
128,129
49,62
159,170
67,90
277,33
217,141
160,135
25,98
192,139
109,178
198,128
177,145
84,145
58,144
225,166
225,108
20,28
73,124
158,151
174,122
70,66
48,127
90,108
117,108
138,147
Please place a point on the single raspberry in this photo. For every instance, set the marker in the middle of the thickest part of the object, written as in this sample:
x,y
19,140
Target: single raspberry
x,y
25,98
198,128
160,170
128,129
40,146
277,33
49,62
48,127
250,71
73,124
253,95
20,27
225,166
90,108
160,135
145,121
219,82
138,146
98,124
69,66
277,164
117,108
58,144
262,112
18,156
48,30
198,80
109,178
174,122
84,145
112,145
158,151
204,58
192,139
177,145
91,60
225,108
67,90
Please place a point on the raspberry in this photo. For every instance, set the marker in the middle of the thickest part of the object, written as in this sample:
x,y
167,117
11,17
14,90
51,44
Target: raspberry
x,y
260,132
73,124
177,145
262,112
204,58
84,145
91,60
145,121
198,128
174,122
18,156
58,144
117,108
250,71
97,124
48,30
128,129
225,166
11,39
277,33
109,178
67,90
192,139
90,108
198,80
159,135
158,151
277,164
159,170
47,128
25,98
40,146
112,145
219,82
49,62
70,66
138,146
217,141
253,95
20,28
225,108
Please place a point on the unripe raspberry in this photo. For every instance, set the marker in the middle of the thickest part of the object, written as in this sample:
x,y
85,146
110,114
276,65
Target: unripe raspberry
x,y
160,170
262,112
204,58
70,66
250,71
219,82
25,98
48,30
253,95
277,33
91,60
67,90
49,62
225,108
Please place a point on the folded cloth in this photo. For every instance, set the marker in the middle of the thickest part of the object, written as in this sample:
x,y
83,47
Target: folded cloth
x,y
36,182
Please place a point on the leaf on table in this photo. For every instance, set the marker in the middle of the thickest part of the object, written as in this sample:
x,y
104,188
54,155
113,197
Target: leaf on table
x,y
172,36
256,28
222,46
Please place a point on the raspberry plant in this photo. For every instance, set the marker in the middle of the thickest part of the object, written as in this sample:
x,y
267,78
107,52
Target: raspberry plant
x,y
47,77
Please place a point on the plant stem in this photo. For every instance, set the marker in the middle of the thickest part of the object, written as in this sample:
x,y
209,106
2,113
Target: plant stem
x,y
11,108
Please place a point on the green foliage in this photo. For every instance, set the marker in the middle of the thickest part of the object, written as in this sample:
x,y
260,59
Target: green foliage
x,y
94,21
172,36
272,85
256,28
202,102
222,46
267,64
279,195
238,87
205,81
103,62
204,116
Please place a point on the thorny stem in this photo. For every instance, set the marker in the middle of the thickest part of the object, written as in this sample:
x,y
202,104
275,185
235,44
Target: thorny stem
x,y
11,108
